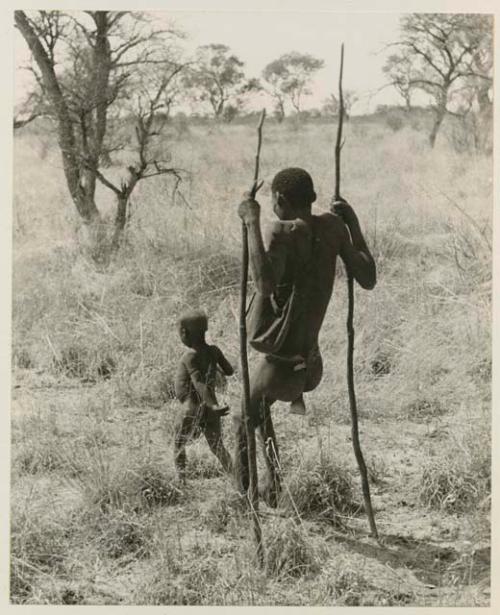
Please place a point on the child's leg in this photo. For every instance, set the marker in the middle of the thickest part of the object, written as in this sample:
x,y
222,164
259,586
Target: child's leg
x,y
213,434
182,435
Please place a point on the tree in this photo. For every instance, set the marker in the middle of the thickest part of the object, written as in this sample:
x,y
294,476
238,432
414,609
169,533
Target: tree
x,y
350,99
288,77
96,72
398,70
443,54
217,77
331,104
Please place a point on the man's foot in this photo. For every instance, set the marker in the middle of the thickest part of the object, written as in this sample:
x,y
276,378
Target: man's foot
x,y
298,406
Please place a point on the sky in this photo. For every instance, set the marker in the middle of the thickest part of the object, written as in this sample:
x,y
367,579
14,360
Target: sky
x,y
258,37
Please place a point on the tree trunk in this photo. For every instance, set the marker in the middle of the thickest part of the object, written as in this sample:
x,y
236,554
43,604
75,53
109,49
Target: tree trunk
x,y
439,112
485,120
82,197
280,111
122,202
438,120
120,220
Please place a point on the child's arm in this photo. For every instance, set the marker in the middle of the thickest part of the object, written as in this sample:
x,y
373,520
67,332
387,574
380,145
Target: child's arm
x,y
223,363
204,391
181,383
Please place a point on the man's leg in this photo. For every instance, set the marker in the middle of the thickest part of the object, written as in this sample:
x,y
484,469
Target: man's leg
x,y
271,485
213,435
241,470
270,381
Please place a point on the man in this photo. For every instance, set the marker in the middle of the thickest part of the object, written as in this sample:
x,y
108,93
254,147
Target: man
x,y
294,280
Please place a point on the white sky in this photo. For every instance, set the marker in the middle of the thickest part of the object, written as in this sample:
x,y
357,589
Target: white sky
x,y
258,37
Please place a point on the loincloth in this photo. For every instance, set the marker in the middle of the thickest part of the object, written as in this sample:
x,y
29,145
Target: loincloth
x,y
297,362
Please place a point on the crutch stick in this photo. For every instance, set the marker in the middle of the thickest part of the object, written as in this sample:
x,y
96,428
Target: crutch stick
x,y
253,495
350,327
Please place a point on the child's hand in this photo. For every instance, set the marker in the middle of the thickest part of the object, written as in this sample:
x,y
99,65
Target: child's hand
x,y
220,410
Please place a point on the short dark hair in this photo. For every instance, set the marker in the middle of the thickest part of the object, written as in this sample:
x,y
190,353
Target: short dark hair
x,y
195,321
295,184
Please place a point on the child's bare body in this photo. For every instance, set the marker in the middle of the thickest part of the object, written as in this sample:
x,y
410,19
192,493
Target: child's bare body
x,y
195,389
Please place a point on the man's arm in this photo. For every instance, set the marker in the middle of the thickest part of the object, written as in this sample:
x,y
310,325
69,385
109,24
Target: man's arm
x,y
267,267
353,249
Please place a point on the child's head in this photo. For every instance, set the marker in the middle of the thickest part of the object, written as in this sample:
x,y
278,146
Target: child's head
x,y
192,327
292,191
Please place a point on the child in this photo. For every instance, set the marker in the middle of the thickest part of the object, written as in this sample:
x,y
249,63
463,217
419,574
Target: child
x,y
195,389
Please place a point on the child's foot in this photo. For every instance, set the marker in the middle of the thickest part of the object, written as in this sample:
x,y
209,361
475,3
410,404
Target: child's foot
x,y
298,406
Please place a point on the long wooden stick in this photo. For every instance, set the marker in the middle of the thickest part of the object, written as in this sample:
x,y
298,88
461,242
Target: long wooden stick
x,y
350,328
253,495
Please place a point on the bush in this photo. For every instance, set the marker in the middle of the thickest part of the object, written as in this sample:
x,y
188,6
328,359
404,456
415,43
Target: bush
x,y
321,489
290,551
449,486
121,534
38,545
141,486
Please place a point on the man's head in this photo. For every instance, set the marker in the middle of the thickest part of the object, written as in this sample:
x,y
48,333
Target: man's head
x,y
192,327
292,191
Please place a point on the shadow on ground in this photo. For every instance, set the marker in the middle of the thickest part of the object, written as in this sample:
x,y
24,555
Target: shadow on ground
x,y
431,563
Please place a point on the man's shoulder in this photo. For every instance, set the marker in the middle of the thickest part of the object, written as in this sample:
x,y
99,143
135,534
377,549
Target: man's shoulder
x,y
330,222
287,228
279,227
278,231
328,218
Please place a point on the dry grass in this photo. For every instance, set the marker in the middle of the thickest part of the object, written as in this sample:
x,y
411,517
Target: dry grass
x,y
321,489
290,551
95,352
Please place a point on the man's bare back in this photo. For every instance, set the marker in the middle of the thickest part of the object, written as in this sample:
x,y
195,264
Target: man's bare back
x,y
301,258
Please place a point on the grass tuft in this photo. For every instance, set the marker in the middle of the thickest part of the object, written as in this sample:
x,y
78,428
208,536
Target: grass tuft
x,y
290,551
447,486
121,533
321,489
135,486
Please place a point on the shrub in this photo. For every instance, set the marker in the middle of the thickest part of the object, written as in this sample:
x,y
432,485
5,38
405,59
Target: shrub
x,y
448,485
121,534
290,551
38,545
141,486
321,489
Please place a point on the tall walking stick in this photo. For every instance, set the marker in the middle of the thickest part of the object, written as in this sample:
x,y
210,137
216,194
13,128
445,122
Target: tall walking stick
x,y
249,430
350,328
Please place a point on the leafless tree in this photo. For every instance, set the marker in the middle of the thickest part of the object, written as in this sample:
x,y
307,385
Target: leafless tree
x,y
98,72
